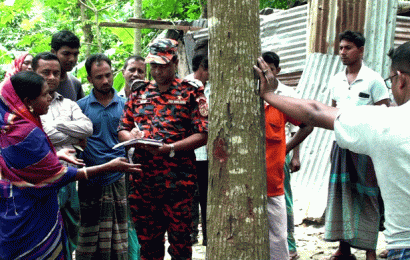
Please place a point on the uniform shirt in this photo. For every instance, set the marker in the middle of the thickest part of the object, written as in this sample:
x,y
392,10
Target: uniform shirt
x,y
367,89
383,134
172,115
275,122
99,145
201,152
65,123
70,88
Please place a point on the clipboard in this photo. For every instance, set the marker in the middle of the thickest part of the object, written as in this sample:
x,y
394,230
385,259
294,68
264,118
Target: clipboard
x,y
146,141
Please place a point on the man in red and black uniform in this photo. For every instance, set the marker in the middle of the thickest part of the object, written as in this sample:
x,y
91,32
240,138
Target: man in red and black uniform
x,y
161,196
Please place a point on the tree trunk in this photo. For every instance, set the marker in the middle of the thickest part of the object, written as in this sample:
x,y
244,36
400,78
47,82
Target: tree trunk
x,y
137,37
86,27
237,214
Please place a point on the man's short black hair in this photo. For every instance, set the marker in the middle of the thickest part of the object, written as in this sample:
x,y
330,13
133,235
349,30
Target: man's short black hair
x,y
201,46
271,57
356,37
95,58
64,38
200,60
400,58
133,57
43,56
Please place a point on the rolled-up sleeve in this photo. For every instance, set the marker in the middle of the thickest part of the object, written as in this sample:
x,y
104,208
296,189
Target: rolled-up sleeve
x,y
79,127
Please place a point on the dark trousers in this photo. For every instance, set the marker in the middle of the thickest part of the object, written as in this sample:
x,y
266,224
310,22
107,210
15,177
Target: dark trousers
x,y
200,199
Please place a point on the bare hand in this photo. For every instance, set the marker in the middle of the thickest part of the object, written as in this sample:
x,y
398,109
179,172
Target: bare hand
x,y
68,155
294,165
122,165
268,82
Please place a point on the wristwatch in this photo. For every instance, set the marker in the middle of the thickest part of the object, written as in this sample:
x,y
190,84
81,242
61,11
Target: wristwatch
x,y
172,152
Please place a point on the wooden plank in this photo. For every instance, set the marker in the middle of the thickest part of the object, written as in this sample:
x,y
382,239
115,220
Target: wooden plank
x,y
147,21
151,26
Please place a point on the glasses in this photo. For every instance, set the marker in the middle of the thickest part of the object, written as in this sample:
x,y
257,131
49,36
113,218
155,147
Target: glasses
x,y
388,81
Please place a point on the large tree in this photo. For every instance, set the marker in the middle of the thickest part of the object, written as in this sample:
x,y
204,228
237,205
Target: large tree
x,y
237,214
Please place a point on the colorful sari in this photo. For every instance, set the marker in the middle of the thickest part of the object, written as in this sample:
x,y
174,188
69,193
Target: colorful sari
x,y
16,66
30,176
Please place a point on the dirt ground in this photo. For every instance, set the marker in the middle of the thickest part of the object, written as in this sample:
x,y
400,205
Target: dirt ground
x,y
310,245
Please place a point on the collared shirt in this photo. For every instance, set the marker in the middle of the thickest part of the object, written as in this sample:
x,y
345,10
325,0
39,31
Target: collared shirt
x,y
275,125
201,153
65,124
99,145
382,133
172,115
70,88
367,89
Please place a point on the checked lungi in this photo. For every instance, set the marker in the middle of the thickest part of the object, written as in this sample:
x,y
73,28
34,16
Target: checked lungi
x,y
103,221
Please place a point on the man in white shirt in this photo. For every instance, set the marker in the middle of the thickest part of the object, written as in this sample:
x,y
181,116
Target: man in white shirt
x,y
378,131
352,213
66,126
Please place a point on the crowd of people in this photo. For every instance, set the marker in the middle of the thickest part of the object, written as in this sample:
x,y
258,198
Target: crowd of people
x,y
67,187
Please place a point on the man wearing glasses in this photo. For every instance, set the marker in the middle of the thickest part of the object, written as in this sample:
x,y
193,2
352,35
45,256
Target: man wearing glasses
x,y
352,215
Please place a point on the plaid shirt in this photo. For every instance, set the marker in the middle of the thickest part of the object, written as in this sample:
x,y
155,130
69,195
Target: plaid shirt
x,y
172,115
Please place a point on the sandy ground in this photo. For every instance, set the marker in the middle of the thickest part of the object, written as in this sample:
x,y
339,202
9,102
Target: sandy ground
x,y
309,241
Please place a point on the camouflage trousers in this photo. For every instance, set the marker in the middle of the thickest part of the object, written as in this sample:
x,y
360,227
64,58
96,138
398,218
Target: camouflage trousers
x,y
160,210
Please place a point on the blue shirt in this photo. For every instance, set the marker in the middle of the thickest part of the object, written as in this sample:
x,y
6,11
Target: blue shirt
x,y
99,145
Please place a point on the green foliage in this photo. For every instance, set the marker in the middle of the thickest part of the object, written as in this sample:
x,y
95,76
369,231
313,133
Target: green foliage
x,y
276,4
172,9
119,81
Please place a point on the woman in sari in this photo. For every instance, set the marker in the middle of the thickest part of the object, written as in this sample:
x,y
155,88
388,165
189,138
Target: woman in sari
x,y
31,226
21,63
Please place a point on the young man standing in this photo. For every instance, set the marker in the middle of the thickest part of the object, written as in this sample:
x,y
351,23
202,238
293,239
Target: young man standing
x,y
276,150
66,126
66,46
377,131
352,214
175,112
103,226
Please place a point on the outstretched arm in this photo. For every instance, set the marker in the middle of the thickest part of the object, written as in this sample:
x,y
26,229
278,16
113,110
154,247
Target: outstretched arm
x,y
310,112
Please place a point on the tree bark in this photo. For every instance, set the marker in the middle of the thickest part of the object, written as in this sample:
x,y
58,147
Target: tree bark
x,y
237,214
137,37
86,27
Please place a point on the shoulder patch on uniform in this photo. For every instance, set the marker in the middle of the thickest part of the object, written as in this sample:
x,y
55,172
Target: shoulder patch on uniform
x,y
203,106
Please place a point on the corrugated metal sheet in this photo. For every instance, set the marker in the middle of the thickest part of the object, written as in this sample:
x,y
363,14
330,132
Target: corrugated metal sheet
x,y
379,32
402,30
329,18
310,183
285,33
